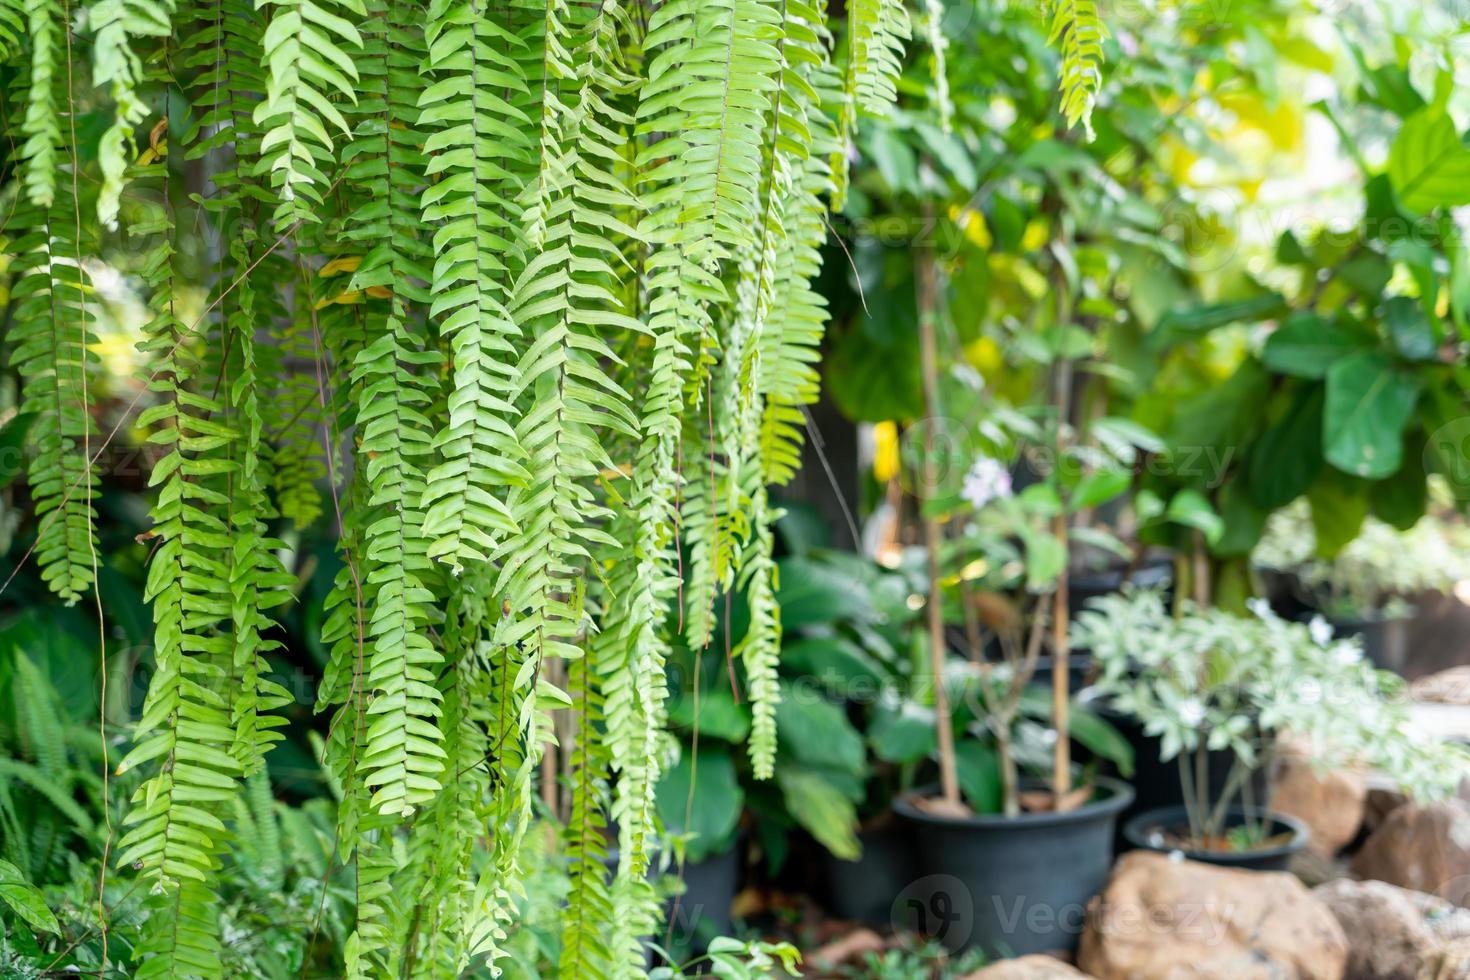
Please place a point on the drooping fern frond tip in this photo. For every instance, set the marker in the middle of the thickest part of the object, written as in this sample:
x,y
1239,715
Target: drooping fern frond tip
x,y
1077,31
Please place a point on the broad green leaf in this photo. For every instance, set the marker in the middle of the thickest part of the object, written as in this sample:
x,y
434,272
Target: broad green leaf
x,y
1192,509
903,732
816,731
1288,455
1339,506
25,899
1098,488
718,715
1202,319
822,809
977,766
704,787
1369,401
1306,345
1428,164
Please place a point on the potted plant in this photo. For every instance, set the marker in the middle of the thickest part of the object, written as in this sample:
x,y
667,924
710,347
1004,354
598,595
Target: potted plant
x,y
1205,680
1026,856
1028,849
844,623
1370,587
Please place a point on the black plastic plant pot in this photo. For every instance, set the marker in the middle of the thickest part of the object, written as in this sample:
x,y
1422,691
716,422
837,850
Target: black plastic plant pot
x,y
1155,573
702,912
863,890
1080,668
1148,829
1010,886
1157,782
1385,641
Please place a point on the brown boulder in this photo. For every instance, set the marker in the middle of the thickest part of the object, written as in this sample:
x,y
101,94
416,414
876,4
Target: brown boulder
x,y
1383,799
1027,968
1330,801
1424,848
1165,919
1451,962
1387,936
1446,687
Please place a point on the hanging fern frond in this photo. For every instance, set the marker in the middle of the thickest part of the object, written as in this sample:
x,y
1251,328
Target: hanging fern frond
x,y
402,758
52,325
760,649
186,731
1077,31
257,580
528,285
116,65
295,416
877,31
448,916
13,19
309,52
939,71
481,153
584,952
42,149
563,297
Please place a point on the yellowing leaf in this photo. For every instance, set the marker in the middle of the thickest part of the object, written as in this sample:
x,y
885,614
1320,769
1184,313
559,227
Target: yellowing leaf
x,y
342,263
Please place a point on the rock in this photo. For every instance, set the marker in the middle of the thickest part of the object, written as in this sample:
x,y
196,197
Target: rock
x,y
848,948
1446,687
1314,869
1445,919
1424,848
1388,938
1382,800
1330,802
1027,968
1158,914
1451,962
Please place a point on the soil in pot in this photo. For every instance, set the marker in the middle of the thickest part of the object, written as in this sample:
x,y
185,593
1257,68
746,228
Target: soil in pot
x,y
1011,886
863,890
1262,849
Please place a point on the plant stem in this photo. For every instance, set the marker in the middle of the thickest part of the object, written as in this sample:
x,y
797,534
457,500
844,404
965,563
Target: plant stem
x,y
1061,695
1191,813
928,301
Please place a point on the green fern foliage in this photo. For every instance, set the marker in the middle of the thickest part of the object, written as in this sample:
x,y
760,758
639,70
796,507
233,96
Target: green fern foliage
x,y
514,295
308,53
1078,33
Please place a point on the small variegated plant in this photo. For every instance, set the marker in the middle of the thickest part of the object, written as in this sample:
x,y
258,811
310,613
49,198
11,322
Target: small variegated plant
x,y
1206,680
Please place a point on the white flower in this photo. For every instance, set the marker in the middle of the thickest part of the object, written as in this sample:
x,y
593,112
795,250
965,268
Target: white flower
x,y
1347,655
1310,690
1321,631
1191,711
1260,607
987,480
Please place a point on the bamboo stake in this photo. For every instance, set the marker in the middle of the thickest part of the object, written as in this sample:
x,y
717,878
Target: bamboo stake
x,y
927,296
1061,680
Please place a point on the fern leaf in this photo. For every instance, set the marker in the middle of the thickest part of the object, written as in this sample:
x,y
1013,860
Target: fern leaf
x,y
1078,33
583,951
479,154
116,65
309,52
